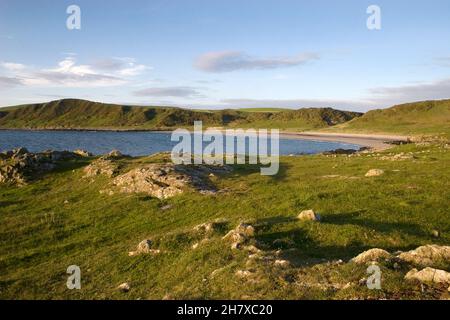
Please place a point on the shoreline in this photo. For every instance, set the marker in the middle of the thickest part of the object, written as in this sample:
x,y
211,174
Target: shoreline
x,y
376,142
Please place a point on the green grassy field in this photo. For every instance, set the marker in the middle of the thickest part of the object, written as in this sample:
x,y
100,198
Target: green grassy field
x,y
63,220
426,117
83,114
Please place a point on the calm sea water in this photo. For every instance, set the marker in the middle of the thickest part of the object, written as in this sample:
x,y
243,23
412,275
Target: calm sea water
x,y
132,143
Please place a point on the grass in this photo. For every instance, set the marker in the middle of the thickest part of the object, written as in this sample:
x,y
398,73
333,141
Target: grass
x,y
82,114
41,233
426,118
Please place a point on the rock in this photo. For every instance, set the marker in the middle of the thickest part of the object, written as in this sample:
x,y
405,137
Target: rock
x,y
435,233
252,249
144,247
204,228
166,207
19,152
371,255
82,153
246,229
427,256
18,166
240,235
282,263
114,154
101,167
107,192
374,173
158,180
124,287
429,275
308,215
244,273
237,237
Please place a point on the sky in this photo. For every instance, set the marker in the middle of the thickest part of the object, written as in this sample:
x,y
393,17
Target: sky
x,y
215,54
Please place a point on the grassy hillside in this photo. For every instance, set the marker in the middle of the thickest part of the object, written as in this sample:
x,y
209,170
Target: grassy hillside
x,y
426,117
63,220
72,113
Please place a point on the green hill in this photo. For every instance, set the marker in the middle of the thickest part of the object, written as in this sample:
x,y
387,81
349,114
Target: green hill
x,y
426,117
82,114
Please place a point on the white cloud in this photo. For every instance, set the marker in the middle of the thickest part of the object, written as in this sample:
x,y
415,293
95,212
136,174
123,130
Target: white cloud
x,y
227,61
68,73
122,66
11,66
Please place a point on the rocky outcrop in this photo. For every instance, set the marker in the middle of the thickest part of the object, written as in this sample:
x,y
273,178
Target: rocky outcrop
x,y
161,181
19,166
427,256
101,166
371,255
105,165
165,180
429,275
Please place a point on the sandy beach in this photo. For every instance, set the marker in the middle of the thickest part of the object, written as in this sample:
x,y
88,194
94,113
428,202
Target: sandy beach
x,y
376,142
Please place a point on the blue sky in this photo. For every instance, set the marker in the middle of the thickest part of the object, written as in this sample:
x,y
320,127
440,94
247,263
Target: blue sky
x,y
221,54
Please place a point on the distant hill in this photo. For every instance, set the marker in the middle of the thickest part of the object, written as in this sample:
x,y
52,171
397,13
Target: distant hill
x,y
425,117
83,114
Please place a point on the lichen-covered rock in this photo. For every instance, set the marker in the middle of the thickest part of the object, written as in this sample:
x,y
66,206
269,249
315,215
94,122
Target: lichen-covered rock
x,y
427,256
144,247
19,166
246,229
163,180
371,255
308,215
101,166
240,235
158,180
429,275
